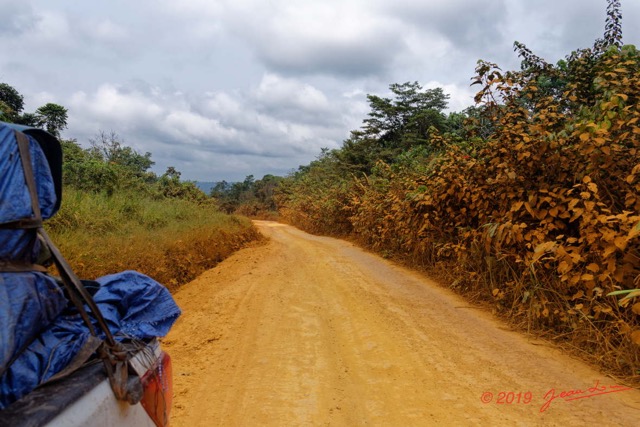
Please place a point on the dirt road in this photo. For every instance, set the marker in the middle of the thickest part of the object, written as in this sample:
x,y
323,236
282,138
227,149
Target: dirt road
x,y
313,331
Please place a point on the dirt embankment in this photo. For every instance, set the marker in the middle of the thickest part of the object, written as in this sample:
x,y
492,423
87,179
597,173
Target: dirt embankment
x,y
308,330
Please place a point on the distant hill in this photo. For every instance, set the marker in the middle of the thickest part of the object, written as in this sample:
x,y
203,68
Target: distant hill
x,y
205,186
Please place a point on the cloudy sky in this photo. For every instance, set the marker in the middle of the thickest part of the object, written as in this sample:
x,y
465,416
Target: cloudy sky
x,y
221,89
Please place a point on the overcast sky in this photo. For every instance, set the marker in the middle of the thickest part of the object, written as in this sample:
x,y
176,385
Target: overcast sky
x,y
221,89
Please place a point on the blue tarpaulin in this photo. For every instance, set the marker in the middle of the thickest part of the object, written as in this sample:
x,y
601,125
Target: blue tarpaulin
x,y
40,331
28,301
15,201
134,306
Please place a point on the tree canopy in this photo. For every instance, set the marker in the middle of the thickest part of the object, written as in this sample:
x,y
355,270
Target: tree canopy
x,y
109,147
12,100
52,117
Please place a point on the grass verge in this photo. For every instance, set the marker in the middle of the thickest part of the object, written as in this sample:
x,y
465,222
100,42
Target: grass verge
x,y
169,240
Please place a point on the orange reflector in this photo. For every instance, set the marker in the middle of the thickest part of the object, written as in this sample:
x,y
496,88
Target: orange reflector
x,y
157,384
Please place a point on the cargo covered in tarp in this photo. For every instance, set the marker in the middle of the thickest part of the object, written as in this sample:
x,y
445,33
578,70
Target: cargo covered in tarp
x,y
40,331
134,306
29,301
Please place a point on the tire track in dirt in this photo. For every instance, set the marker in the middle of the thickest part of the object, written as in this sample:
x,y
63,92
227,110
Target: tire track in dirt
x,y
308,330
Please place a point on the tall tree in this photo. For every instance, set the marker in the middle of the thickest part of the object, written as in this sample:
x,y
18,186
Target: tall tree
x,y
414,109
52,117
394,125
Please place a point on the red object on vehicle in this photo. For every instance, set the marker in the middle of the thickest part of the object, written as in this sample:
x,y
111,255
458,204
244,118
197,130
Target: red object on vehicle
x,y
157,384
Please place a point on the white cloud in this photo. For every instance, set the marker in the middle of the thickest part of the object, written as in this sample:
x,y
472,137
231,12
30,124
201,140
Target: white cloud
x,y
223,105
108,30
275,91
185,131
111,104
460,97
192,128
48,32
227,88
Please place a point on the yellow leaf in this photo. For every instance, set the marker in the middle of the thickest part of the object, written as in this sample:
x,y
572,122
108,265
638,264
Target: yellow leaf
x,y
624,328
529,209
584,136
593,267
546,246
635,337
636,308
516,206
495,292
573,203
620,242
563,267
577,213
586,277
542,248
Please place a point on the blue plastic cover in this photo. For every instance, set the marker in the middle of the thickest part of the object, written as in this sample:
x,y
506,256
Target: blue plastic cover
x,y
29,301
134,306
40,331
15,201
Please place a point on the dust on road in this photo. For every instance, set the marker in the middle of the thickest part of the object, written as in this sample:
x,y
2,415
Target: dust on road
x,y
313,331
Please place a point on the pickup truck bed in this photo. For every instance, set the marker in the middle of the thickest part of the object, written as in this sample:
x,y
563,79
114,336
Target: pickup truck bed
x,y
45,403
85,398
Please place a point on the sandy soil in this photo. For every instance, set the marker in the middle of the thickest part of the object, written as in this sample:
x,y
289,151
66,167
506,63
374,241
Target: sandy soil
x,y
313,331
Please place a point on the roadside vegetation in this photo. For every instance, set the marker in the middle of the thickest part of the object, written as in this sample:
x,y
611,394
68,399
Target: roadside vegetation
x,y
529,201
117,215
171,240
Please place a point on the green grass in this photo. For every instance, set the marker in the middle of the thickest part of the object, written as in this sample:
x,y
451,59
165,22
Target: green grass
x,y
170,240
